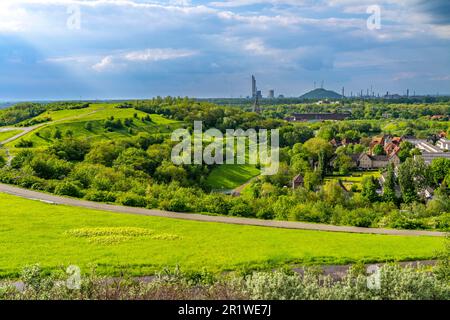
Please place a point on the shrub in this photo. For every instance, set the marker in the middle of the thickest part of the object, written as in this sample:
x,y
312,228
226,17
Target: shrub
x,y
68,188
24,144
100,196
131,200
241,208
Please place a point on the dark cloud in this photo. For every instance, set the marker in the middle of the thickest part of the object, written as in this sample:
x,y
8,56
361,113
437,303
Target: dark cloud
x,y
438,10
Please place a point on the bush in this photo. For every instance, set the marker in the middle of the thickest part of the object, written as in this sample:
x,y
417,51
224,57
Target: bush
x,y
241,208
2,161
131,200
68,188
100,196
24,144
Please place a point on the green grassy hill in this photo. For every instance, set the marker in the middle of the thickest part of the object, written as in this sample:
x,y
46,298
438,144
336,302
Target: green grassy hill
x,y
75,121
231,176
8,134
54,236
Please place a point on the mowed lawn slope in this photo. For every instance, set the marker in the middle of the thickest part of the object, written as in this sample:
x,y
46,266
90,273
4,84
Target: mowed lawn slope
x,y
230,176
75,121
54,236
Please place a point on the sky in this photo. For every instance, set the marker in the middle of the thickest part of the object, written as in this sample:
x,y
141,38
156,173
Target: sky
x,y
120,49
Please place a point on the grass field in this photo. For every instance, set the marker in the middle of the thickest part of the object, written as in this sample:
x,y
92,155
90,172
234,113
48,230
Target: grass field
x,y
8,134
54,236
354,178
75,121
231,176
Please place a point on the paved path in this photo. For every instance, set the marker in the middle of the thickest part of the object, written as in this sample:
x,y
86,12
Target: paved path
x,y
199,217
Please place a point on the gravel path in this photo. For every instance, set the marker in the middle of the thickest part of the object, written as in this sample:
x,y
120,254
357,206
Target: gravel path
x,y
24,193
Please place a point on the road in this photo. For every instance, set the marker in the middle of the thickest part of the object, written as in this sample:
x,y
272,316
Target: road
x,y
34,195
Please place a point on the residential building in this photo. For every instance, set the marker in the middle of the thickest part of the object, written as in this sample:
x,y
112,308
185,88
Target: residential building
x,y
366,161
297,181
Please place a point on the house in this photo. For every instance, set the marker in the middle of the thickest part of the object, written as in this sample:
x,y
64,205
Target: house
x,y
367,161
335,142
391,148
376,141
297,181
443,144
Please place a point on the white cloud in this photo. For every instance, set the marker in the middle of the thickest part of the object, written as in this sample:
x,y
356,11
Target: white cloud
x,y
104,64
158,54
120,60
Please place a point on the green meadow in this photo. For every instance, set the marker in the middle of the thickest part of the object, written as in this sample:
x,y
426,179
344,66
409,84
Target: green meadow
x,y
75,121
8,134
230,176
55,236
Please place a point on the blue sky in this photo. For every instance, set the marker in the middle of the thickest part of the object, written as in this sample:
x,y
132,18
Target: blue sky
x,y
201,48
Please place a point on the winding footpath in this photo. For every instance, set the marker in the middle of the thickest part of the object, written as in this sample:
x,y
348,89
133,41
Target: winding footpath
x,y
57,200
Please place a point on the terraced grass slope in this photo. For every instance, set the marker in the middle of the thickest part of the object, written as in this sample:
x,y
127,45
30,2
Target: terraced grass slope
x,y
75,121
226,177
52,235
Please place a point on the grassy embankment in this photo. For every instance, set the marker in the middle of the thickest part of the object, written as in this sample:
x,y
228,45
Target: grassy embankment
x,y
53,235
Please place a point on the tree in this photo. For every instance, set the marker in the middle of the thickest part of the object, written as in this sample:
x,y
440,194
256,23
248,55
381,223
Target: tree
x,y
88,126
413,177
312,180
69,133
49,167
136,158
57,134
378,150
333,192
369,189
2,161
389,185
439,168
317,146
70,149
290,135
326,132
405,150
343,163
104,152
299,164
168,172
